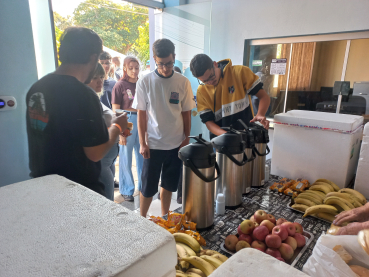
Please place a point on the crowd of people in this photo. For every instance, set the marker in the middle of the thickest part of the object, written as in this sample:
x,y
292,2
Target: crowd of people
x,y
77,116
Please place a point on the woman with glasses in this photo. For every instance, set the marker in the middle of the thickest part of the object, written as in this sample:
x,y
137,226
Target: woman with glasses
x,y
122,98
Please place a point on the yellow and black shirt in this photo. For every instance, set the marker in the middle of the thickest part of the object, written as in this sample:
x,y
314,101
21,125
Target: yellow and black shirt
x,y
231,101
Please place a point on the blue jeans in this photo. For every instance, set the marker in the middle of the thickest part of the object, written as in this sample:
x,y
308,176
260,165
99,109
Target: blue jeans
x,y
126,181
106,175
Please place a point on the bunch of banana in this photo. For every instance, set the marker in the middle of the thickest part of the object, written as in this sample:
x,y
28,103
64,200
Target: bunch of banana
x,y
339,201
328,209
361,198
198,262
333,185
188,240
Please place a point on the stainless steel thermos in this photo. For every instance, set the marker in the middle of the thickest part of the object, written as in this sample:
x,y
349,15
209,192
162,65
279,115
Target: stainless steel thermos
x,y
198,184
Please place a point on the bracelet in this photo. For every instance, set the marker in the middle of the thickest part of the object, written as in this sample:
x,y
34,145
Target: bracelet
x,y
116,125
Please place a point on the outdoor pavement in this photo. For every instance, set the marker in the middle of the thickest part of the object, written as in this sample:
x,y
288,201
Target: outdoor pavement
x,y
155,208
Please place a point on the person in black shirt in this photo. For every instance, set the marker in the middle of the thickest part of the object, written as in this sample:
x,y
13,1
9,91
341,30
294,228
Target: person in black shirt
x,y
66,131
106,61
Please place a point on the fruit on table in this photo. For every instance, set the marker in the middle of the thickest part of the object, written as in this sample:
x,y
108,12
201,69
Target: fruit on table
x,y
354,193
267,224
260,233
246,238
281,259
326,216
180,274
280,221
281,231
291,242
230,242
300,207
349,197
188,249
258,245
335,187
213,261
188,240
291,229
320,209
273,241
343,203
271,218
298,227
273,252
247,227
286,251
323,187
196,271
200,263
315,193
252,219
313,198
182,254
304,201
242,244
300,239
260,215
220,257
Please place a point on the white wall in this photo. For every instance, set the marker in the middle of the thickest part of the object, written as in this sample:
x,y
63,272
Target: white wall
x,y
236,20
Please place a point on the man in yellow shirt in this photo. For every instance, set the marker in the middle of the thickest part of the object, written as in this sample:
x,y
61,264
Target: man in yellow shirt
x,y
223,94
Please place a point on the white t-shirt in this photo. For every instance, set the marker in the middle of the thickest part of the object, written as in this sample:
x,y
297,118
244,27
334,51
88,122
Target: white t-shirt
x,y
164,100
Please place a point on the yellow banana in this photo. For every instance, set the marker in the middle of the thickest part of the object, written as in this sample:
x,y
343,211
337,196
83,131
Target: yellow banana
x,y
304,202
188,249
349,197
310,197
334,186
188,240
317,194
300,207
220,257
197,271
326,216
320,209
323,187
200,263
334,200
193,274
355,193
213,261
182,254
180,274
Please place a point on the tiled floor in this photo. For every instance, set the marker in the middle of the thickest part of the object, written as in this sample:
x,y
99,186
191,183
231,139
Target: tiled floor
x,y
155,208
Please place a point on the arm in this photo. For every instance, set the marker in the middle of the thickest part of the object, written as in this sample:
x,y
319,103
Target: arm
x,y
115,107
142,127
353,228
214,128
186,127
264,101
360,214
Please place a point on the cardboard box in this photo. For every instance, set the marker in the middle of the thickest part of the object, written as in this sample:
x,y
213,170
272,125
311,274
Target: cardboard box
x,y
313,145
362,173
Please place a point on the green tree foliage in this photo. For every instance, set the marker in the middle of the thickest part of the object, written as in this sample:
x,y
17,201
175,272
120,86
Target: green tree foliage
x,y
117,25
142,45
62,22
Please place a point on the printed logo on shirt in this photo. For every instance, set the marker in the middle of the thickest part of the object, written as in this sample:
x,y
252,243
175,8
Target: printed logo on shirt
x,y
231,89
174,98
129,93
37,111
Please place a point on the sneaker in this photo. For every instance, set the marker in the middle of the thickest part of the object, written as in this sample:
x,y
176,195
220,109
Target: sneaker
x,y
128,198
116,184
179,200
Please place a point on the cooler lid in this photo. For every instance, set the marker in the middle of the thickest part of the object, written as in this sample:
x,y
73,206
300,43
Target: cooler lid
x,y
336,122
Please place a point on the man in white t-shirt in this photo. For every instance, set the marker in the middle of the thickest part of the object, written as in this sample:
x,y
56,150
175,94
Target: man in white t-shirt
x,y
164,101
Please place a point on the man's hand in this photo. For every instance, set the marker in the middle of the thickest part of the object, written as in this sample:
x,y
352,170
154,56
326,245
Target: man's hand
x,y
145,151
351,229
126,133
121,121
262,120
185,142
122,140
360,214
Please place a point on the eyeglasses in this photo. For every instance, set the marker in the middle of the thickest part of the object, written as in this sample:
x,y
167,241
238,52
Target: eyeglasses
x,y
105,63
211,78
166,65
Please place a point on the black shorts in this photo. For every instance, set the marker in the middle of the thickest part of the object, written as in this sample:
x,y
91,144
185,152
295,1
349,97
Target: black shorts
x,y
164,162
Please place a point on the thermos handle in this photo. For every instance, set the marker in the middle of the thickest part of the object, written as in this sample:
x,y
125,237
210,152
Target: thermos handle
x,y
267,151
200,175
229,155
253,156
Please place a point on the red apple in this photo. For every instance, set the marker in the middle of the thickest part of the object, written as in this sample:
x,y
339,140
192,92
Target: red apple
x,y
271,218
281,259
291,229
256,224
280,231
298,227
230,242
291,242
259,249
239,230
280,221
273,241
260,215
246,238
260,233
286,251
300,239
273,252
247,226
267,224
241,244
252,219
258,245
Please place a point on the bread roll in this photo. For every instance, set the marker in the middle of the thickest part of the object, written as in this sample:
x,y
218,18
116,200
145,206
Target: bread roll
x,y
130,126
360,271
363,239
333,230
342,253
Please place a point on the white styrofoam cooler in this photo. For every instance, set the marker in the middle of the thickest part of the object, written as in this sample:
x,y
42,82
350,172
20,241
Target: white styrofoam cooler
x,y
51,226
313,145
362,173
